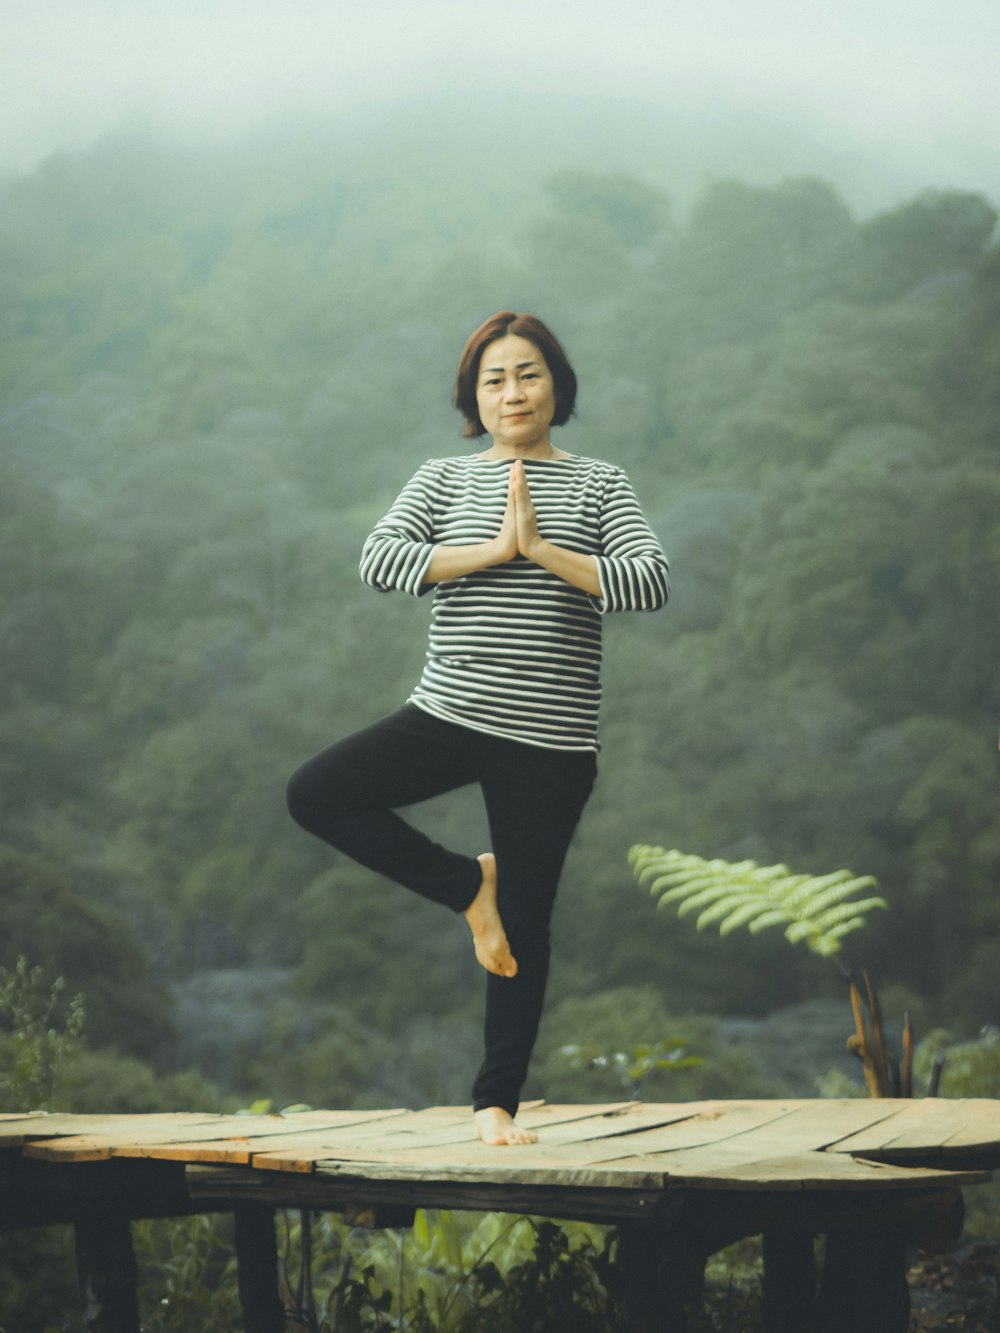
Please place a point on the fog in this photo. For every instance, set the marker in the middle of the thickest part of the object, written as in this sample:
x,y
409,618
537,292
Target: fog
x,y
884,98
222,359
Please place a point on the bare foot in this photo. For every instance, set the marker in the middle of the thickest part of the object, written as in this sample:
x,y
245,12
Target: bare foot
x,y
494,1125
488,934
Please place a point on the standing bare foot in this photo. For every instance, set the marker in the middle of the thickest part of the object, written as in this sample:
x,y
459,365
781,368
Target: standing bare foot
x,y
494,1125
488,934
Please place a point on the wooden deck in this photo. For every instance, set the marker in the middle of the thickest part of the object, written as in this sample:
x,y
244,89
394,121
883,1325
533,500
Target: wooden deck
x,y
681,1180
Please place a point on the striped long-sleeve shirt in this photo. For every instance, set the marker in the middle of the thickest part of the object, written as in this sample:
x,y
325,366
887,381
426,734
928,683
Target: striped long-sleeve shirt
x,y
514,650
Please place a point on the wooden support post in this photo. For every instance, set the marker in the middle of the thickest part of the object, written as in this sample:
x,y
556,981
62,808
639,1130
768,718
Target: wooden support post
x,y
257,1266
789,1280
105,1265
659,1275
863,1288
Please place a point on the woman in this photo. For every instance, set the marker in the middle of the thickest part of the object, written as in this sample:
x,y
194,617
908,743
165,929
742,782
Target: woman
x,y
525,546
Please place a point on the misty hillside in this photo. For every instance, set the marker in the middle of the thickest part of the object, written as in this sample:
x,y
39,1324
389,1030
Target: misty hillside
x,y
221,365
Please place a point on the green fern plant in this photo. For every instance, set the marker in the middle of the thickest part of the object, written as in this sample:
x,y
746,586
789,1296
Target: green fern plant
x,y
818,910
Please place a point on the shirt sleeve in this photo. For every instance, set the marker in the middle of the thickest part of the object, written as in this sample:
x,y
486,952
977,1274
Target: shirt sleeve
x,y
399,549
632,569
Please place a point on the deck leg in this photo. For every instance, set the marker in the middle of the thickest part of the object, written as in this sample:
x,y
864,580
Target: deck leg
x,y
789,1281
658,1276
105,1266
257,1269
863,1288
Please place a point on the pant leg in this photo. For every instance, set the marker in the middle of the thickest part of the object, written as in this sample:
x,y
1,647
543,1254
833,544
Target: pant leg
x,y
348,794
534,799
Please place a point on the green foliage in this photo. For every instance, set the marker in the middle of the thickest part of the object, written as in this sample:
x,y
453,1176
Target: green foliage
x,y
218,368
968,1068
819,910
457,1274
36,1042
43,918
102,1081
452,1273
41,1037
608,1022
635,1064
38,1283
187,1275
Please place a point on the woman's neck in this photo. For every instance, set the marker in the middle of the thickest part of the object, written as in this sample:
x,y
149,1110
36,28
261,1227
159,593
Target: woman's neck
x,y
540,452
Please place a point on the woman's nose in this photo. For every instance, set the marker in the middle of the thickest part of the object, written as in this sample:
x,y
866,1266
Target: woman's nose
x,y
513,390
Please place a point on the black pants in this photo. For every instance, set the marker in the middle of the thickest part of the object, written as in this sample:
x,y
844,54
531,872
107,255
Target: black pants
x,y
348,795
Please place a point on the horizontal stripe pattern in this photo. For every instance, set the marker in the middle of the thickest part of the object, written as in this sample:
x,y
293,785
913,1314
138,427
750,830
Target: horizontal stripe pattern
x,y
514,650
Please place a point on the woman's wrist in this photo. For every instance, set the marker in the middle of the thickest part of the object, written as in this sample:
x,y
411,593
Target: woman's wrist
x,y
451,562
498,552
575,567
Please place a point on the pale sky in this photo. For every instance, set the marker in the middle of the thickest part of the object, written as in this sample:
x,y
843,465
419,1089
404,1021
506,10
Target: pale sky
x,y
908,81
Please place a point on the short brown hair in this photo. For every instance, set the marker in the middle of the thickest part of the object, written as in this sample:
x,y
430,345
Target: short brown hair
x,y
528,326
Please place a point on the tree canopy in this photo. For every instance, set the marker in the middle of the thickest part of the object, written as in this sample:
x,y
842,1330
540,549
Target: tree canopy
x,y
218,370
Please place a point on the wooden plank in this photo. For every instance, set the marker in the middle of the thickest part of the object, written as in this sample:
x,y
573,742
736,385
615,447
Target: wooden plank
x,y
234,1138
41,1125
573,1146
211,1147
625,1140
143,1140
555,1123
729,1135
455,1124
814,1171
745,1159
224,1185
418,1133
238,1150
719,1163
932,1123
711,1123
754,1129
619,1121
196,1137
433,1124
555,1150
346,1116
500,1168
94,1147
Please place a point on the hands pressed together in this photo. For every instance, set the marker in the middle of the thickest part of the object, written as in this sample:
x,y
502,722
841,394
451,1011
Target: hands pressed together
x,y
519,533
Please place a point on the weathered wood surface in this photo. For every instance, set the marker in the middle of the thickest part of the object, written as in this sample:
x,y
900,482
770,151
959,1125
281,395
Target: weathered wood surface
x,y
766,1145
681,1179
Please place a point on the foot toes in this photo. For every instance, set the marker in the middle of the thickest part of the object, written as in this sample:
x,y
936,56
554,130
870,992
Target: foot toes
x,y
497,1128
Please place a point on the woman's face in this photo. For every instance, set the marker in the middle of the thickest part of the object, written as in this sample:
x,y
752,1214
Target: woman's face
x,y
515,394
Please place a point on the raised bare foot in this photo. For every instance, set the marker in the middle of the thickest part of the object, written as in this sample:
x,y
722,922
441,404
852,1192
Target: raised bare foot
x,y
488,934
494,1125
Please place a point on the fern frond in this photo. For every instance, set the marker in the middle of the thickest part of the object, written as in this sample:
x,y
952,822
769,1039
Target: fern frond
x,y
774,916
740,917
818,910
816,904
833,918
676,892
722,909
701,898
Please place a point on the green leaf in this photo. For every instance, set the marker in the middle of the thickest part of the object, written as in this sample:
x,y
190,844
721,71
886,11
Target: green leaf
x,y
817,910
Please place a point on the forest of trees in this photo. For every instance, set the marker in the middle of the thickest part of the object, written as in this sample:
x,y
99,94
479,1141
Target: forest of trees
x,y
219,368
